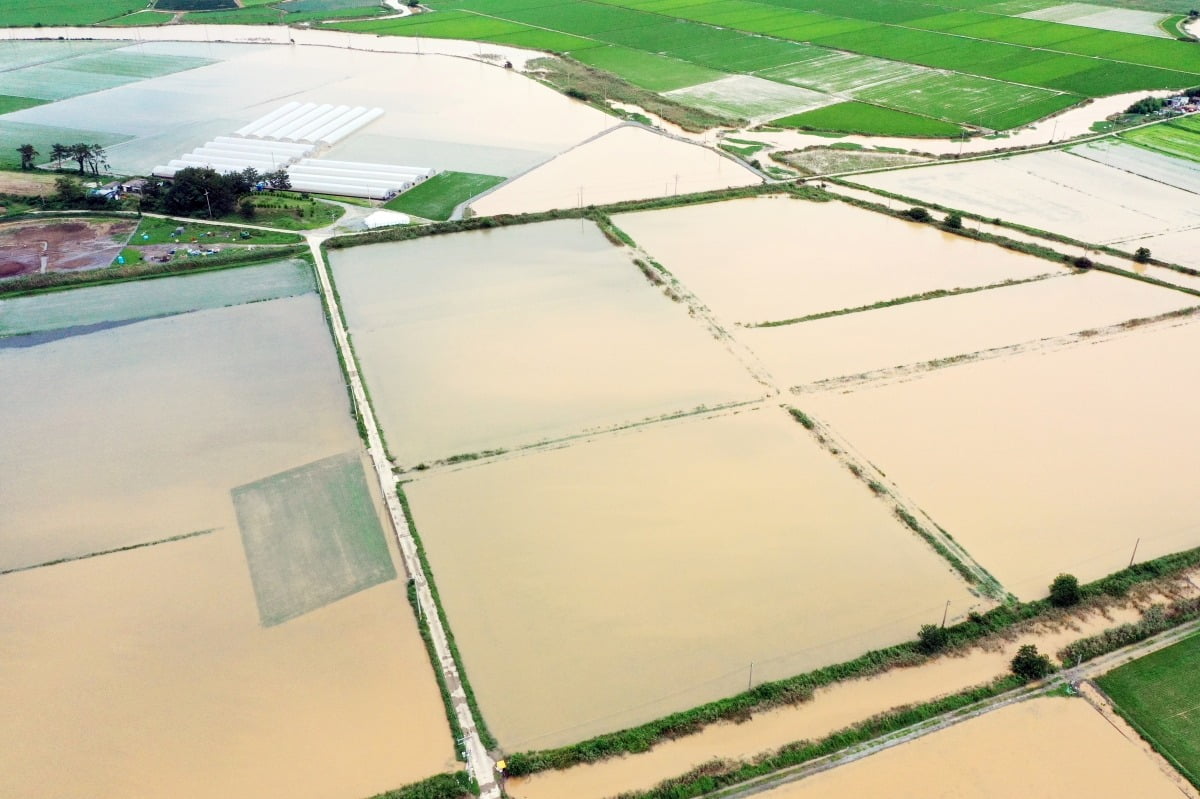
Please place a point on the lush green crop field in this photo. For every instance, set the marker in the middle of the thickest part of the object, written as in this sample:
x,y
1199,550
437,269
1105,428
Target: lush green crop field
x,y
437,197
855,117
1171,138
65,12
140,19
8,103
640,68
977,101
879,51
1160,693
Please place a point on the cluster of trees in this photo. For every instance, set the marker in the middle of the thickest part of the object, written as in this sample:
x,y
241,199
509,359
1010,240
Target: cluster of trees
x,y
90,158
200,190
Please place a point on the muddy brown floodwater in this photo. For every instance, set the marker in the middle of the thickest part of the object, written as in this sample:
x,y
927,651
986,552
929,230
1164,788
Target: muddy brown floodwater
x,y
1039,749
639,573
834,707
147,672
1053,460
948,326
629,163
774,258
495,339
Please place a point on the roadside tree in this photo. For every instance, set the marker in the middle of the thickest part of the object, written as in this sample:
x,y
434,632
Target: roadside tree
x,y
1029,664
27,153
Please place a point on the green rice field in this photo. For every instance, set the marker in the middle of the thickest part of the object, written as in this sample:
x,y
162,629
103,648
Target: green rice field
x,y
1179,138
959,61
853,117
65,12
437,197
1160,694
8,103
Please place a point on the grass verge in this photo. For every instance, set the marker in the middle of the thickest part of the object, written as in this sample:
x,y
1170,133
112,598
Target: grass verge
x,y
442,786
485,734
437,197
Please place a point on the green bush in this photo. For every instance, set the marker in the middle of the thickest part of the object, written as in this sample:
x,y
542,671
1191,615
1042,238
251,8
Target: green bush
x,y
1029,664
1065,591
918,214
932,638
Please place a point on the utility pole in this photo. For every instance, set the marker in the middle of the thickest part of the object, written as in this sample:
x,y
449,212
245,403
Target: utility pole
x,y
945,613
208,203
750,682
1135,547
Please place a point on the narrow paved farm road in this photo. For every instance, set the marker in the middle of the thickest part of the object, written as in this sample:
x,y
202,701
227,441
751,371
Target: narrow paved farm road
x,y
479,762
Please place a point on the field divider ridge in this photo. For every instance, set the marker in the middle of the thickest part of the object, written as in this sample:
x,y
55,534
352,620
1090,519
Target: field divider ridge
x,y
479,762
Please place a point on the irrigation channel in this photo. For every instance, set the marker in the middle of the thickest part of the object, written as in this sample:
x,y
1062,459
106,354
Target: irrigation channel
x,y
479,762
1077,677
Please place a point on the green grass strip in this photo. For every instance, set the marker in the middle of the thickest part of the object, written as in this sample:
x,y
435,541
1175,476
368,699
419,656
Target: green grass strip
x,y
59,281
442,786
481,727
130,547
717,775
437,197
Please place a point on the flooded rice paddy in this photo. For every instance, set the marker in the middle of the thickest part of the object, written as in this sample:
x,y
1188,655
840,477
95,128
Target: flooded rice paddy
x,y
1054,460
654,565
147,671
1055,191
140,300
832,708
1040,749
504,125
629,163
549,331
775,258
924,331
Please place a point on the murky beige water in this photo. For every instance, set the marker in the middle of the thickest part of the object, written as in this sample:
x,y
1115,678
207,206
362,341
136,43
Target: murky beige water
x,y
772,258
1040,749
1053,191
146,672
922,331
507,337
831,709
639,573
1051,461
442,112
630,163
161,423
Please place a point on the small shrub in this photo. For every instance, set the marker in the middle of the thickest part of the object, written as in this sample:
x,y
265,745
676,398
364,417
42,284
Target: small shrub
x,y
953,221
802,418
1142,255
918,214
932,638
1065,591
1029,664
1082,262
